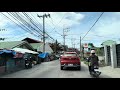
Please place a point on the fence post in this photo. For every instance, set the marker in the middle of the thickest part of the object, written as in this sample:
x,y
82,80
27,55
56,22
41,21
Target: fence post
x,y
106,55
113,56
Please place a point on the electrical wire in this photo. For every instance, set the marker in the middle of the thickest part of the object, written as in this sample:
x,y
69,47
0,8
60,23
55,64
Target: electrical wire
x,y
15,23
93,25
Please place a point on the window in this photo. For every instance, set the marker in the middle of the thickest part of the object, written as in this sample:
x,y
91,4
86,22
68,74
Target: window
x,y
70,54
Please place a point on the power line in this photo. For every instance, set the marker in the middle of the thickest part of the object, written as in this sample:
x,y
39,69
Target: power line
x,y
48,34
41,31
54,27
93,24
36,20
22,22
33,22
58,24
16,23
28,24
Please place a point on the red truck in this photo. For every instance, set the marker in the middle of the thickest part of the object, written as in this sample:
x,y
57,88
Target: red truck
x,y
70,59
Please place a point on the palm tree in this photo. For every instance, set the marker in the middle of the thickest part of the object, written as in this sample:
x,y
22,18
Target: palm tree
x,y
56,47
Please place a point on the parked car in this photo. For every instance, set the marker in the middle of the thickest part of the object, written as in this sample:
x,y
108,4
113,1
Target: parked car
x,y
70,59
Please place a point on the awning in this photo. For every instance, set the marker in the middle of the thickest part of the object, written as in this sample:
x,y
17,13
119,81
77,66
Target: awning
x,y
7,51
43,55
21,50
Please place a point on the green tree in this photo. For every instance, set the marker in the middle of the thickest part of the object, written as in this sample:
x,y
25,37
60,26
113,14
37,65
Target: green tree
x,y
56,47
99,52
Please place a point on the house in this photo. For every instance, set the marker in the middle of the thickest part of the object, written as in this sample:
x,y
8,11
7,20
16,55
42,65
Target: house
x,y
108,42
10,61
16,44
38,45
13,63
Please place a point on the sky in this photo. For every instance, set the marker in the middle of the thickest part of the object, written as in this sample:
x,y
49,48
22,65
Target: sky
x,y
75,24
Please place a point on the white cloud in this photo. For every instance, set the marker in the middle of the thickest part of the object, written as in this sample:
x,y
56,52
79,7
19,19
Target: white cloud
x,y
3,21
108,27
111,29
69,18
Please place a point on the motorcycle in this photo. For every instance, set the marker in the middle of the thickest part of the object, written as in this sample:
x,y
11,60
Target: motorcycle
x,y
96,73
27,63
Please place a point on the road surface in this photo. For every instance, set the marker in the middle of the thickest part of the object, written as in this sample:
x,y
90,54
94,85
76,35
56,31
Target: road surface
x,y
51,70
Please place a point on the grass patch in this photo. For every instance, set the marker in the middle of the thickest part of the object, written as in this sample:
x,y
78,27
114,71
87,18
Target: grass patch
x,y
82,59
85,62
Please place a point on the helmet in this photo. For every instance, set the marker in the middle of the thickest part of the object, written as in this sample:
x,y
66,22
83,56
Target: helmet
x,y
92,51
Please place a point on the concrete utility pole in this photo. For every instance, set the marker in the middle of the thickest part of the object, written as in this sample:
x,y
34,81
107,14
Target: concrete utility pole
x,y
64,35
43,16
72,42
55,47
80,43
74,45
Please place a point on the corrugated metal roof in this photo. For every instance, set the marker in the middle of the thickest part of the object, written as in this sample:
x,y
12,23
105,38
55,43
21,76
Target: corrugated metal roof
x,y
109,42
21,50
10,45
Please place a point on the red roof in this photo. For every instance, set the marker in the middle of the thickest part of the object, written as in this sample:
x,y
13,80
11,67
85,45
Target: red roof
x,y
30,40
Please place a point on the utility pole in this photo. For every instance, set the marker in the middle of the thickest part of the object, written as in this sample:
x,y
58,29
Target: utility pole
x,y
74,45
55,47
64,35
64,38
72,42
43,16
80,44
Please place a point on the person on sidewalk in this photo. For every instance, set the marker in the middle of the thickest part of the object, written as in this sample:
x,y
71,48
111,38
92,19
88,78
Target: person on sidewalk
x,y
93,61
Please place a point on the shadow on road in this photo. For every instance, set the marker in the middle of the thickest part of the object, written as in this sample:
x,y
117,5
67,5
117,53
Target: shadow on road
x,y
83,68
71,69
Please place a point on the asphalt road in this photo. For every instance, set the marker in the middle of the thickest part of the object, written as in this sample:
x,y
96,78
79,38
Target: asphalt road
x,y
52,70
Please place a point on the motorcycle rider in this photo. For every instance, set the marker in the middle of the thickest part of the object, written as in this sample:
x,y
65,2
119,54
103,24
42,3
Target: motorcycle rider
x,y
93,61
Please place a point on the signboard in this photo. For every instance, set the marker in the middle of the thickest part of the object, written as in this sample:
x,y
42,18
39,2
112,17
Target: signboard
x,y
85,45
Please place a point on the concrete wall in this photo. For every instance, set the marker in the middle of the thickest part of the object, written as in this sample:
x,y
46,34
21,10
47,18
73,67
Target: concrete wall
x,y
106,55
101,58
113,56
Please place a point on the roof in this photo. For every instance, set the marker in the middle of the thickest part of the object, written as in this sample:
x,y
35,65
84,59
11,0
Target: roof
x,y
21,50
13,44
30,40
108,42
39,47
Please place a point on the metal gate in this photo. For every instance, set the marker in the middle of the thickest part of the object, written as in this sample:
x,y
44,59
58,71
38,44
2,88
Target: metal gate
x,y
118,54
109,55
